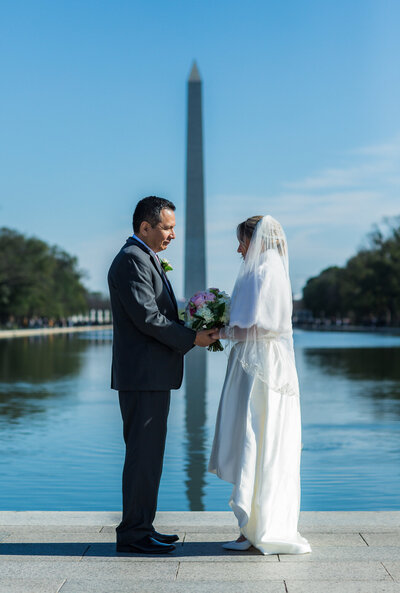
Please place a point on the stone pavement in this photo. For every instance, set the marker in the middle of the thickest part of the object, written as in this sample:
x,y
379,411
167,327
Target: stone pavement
x,y
74,552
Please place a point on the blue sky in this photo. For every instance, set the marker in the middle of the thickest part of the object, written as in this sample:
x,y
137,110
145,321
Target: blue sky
x,y
301,121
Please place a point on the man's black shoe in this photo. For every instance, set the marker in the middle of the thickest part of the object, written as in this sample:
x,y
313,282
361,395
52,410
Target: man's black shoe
x,y
146,545
163,538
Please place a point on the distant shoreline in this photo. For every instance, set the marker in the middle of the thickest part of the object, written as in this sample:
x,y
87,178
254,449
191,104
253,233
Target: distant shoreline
x,y
49,331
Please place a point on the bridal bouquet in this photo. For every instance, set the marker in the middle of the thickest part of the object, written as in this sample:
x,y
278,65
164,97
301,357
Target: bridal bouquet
x,y
207,309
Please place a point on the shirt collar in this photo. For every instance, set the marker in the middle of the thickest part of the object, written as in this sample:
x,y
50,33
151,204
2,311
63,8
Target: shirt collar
x,y
143,243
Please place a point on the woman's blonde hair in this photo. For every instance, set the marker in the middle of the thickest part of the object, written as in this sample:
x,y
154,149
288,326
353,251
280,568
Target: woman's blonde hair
x,y
246,228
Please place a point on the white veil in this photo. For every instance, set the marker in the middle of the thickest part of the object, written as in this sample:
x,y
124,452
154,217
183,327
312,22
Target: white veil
x,y
261,310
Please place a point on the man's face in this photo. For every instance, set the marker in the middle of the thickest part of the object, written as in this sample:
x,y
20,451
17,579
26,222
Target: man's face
x,y
159,237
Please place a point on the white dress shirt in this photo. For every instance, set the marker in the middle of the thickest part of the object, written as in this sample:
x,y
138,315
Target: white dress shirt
x,y
143,243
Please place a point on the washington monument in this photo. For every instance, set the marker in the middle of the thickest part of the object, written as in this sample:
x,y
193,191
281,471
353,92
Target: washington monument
x,y
195,255
195,279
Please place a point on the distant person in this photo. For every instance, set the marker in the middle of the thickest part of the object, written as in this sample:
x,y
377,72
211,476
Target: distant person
x,y
257,442
149,343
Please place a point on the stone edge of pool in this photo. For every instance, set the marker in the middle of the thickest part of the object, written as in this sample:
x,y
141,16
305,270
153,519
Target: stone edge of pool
x,y
49,331
309,520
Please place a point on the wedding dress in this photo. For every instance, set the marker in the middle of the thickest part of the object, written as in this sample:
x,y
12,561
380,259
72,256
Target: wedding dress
x,y
257,441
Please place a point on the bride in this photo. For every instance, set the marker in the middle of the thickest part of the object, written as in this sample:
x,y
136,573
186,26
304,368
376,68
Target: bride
x,y
257,441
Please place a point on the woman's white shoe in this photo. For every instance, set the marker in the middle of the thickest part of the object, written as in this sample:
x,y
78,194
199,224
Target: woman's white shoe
x,y
244,545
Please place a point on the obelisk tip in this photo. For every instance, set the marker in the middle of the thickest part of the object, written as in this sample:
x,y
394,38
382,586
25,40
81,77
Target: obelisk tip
x,y
194,73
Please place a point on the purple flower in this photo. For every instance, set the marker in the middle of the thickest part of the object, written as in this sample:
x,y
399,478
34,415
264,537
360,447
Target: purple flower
x,y
198,299
209,296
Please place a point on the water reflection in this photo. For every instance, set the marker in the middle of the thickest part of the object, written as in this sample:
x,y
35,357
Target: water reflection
x,y
359,363
377,368
18,403
39,359
28,369
195,419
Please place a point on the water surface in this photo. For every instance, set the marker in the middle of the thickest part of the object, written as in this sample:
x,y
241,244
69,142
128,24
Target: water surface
x,y
61,437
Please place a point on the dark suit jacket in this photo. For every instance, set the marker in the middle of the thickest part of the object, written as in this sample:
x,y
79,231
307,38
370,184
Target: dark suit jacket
x,y
149,341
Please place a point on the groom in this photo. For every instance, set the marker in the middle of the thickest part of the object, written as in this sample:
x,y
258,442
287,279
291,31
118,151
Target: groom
x,y
149,343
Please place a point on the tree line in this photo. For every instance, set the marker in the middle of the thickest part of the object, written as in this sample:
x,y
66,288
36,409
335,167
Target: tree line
x,y
366,290
38,280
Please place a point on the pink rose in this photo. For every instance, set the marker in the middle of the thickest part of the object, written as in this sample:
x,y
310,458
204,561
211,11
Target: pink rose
x,y
198,299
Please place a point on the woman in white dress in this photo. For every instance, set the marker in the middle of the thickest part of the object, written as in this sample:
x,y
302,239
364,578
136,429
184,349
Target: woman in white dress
x,y
257,441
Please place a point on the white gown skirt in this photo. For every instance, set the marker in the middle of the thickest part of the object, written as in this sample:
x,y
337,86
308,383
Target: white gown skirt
x,y
257,448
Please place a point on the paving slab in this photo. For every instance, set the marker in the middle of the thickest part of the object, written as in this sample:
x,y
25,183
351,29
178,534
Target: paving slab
x,y
62,551
339,587
196,518
273,571
42,537
96,571
138,586
52,530
18,585
347,522
382,539
334,539
393,569
36,568
345,554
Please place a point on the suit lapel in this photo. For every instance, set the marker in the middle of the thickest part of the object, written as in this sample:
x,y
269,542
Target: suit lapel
x,y
157,266
170,289
164,278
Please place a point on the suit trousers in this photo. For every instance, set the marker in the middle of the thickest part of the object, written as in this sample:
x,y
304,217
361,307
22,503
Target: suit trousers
x,y
144,415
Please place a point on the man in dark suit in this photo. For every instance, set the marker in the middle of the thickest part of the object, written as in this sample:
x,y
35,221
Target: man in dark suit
x,y
149,343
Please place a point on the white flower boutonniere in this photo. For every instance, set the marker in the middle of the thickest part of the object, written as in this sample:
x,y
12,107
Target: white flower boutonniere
x,y
166,266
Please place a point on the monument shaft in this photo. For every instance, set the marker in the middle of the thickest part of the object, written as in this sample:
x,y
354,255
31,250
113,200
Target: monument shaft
x,y
195,279
195,255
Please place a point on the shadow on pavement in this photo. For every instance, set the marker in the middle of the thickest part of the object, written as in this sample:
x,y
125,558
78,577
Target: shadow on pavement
x,y
107,550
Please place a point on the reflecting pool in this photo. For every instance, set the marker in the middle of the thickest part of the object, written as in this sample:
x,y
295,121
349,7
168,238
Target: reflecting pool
x,y
61,436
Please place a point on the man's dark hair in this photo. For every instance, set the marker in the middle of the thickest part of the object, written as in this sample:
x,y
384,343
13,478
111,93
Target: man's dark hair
x,y
149,209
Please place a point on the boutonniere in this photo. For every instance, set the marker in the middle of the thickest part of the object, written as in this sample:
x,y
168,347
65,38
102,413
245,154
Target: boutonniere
x,y
166,266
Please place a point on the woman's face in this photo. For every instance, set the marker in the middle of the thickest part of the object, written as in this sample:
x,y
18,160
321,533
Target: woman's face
x,y
243,247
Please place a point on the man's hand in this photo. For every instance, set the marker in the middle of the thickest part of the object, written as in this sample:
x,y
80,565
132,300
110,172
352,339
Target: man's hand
x,y
204,338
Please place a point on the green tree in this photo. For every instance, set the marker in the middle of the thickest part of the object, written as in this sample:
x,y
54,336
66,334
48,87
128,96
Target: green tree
x,y
37,279
325,294
368,287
